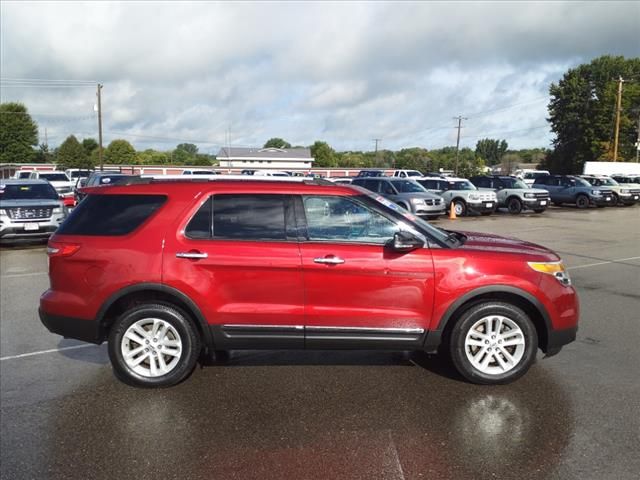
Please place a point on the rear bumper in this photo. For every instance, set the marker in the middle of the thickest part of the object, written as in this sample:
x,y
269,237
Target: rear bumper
x,y
69,327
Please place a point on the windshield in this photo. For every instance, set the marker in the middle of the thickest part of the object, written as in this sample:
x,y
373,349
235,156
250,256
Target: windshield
x,y
24,175
514,183
39,191
534,175
408,186
113,180
461,185
54,177
401,214
79,173
582,182
203,172
414,173
605,181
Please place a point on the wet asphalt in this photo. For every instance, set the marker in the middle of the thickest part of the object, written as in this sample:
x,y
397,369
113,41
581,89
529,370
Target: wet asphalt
x,y
334,415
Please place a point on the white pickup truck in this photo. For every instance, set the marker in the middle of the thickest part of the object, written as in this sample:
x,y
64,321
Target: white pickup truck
x,y
407,173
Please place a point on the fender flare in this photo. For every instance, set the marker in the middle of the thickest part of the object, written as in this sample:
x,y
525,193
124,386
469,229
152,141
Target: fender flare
x,y
192,308
434,337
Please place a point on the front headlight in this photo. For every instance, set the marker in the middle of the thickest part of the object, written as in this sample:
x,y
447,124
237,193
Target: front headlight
x,y
417,201
3,211
57,210
557,269
529,195
597,193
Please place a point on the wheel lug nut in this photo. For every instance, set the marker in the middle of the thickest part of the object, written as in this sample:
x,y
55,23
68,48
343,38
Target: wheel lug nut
x,y
493,337
146,342
489,349
487,342
146,349
499,341
155,339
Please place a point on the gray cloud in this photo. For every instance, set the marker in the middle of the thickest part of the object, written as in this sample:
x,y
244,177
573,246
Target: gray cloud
x,y
341,72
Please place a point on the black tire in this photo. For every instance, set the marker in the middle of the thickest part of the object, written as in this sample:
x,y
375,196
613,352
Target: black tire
x,y
539,210
615,200
514,205
460,205
465,323
188,335
582,201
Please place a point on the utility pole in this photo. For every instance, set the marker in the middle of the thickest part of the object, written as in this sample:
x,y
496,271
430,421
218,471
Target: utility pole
x,y
618,109
459,118
46,139
377,140
100,127
638,141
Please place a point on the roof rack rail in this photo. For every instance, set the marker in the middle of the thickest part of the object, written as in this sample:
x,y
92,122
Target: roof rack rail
x,y
150,178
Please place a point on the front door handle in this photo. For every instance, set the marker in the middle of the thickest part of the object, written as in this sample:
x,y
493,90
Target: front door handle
x,y
329,260
192,255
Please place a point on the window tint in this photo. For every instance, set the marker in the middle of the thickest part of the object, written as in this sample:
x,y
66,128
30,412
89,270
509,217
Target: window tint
x,y
342,219
200,225
386,188
110,215
482,182
28,191
249,217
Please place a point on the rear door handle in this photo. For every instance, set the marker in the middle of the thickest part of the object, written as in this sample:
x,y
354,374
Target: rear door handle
x,y
193,255
329,260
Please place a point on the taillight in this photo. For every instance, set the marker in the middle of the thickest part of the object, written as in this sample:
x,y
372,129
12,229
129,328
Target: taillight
x,y
62,249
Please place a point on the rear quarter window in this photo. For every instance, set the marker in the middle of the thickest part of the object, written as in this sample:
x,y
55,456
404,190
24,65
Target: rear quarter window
x,y
111,215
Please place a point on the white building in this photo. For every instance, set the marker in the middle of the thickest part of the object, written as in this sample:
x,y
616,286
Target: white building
x,y
265,158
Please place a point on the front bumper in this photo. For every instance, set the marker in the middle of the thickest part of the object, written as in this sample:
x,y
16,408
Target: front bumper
x,y
628,199
429,210
559,338
602,200
536,203
69,327
484,206
11,229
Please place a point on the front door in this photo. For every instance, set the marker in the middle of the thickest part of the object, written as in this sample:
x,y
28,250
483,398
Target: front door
x,y
235,256
359,294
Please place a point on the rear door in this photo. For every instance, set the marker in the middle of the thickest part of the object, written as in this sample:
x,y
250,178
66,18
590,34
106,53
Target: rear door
x,y
237,256
357,292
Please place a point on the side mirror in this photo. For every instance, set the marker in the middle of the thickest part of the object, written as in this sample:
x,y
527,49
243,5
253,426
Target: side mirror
x,y
404,242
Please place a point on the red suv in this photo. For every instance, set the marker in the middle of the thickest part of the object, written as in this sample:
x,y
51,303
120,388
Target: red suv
x,y
172,271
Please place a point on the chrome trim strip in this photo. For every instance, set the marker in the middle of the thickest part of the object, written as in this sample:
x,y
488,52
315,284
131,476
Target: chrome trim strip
x,y
366,329
251,327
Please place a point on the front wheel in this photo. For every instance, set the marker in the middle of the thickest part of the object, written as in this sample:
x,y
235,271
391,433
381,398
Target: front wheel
x,y
582,201
514,206
460,207
493,343
153,346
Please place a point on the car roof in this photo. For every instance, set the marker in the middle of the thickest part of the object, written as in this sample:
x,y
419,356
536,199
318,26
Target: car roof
x,y
245,184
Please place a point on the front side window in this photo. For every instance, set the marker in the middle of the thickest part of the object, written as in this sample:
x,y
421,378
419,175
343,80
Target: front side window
x,y
345,220
249,217
408,186
461,185
386,188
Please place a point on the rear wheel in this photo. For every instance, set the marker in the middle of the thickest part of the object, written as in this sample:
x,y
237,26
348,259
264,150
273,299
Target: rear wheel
x,y
582,201
460,207
153,346
514,205
493,343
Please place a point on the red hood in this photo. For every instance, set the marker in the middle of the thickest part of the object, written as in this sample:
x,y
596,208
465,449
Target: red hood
x,y
488,242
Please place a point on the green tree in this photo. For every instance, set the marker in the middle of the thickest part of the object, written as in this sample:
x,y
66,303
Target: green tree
x,y
18,134
43,155
277,143
323,154
120,152
490,150
582,110
71,154
189,148
89,145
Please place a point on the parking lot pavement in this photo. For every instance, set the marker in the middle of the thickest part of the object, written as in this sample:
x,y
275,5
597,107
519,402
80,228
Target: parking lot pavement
x,y
340,414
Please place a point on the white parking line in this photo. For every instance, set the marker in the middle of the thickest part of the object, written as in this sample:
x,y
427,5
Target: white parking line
x,y
17,275
617,260
42,352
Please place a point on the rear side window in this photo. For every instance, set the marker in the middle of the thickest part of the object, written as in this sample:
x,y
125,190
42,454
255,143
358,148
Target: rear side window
x,y
250,217
111,215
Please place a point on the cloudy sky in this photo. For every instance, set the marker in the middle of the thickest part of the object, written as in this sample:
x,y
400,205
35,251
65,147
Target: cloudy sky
x,y
341,72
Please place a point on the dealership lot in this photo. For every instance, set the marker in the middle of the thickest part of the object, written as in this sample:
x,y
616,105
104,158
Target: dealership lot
x,y
340,414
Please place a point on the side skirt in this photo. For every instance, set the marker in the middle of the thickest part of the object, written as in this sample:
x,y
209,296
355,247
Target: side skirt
x,y
259,337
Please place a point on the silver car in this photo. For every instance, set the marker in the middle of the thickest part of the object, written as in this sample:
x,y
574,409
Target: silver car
x,y
409,194
29,209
